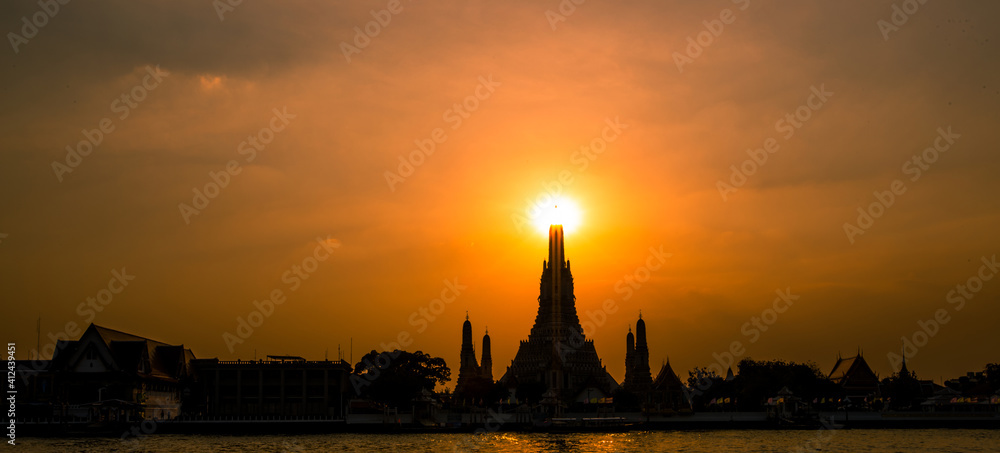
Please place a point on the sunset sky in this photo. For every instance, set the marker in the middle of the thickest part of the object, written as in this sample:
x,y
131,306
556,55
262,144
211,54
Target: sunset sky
x,y
546,87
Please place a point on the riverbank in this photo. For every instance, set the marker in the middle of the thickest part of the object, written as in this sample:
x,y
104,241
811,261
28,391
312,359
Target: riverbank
x,y
459,423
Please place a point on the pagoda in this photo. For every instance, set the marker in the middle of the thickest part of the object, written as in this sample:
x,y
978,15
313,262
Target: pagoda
x,y
556,354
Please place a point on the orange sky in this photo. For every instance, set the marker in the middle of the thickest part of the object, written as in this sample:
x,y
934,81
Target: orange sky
x,y
655,185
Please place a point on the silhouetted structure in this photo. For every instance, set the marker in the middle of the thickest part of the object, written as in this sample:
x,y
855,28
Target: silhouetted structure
x,y
468,368
487,362
668,390
473,380
281,386
856,378
637,376
556,355
108,375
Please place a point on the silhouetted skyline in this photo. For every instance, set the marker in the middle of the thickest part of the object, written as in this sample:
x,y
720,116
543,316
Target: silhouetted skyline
x,y
188,172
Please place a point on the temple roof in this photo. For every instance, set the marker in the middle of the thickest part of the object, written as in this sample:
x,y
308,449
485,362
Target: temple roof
x,y
846,367
128,352
666,378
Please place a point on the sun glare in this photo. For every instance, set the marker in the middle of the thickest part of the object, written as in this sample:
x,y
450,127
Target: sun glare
x,y
563,212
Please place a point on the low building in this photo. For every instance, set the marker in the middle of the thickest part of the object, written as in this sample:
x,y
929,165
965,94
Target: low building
x,y
108,375
281,386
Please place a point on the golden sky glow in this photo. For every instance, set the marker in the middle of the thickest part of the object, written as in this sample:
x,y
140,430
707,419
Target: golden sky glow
x,y
417,164
560,211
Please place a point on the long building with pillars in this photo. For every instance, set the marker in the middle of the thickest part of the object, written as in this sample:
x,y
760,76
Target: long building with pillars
x,y
556,354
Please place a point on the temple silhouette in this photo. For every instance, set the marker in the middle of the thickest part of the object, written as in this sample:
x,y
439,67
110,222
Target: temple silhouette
x,y
637,376
108,379
473,378
556,353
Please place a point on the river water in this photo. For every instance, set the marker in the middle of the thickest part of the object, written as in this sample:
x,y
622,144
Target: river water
x,y
932,440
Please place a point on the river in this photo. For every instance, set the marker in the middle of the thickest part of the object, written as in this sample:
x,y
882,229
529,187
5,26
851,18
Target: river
x,y
826,440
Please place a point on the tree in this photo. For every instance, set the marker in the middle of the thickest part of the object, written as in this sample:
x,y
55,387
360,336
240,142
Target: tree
x,y
992,372
903,390
699,377
759,380
704,385
396,378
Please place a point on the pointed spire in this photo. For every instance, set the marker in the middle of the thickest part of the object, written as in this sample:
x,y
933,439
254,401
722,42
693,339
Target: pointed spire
x,y
640,333
903,371
556,247
486,363
640,313
466,315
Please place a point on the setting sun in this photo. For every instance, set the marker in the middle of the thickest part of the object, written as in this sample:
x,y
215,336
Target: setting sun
x,y
562,211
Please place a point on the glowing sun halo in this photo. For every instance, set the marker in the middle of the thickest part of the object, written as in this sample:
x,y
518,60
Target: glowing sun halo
x,y
560,212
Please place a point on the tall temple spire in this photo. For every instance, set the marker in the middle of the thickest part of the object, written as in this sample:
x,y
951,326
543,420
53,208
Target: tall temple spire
x,y
557,355
637,374
468,368
629,354
466,333
487,362
556,266
556,247
903,371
